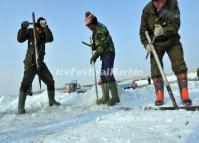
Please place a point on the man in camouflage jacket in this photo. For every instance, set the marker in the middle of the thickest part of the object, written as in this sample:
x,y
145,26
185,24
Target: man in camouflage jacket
x,y
104,48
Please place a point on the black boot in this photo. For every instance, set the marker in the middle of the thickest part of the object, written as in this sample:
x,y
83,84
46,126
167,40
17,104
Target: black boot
x,y
21,102
51,97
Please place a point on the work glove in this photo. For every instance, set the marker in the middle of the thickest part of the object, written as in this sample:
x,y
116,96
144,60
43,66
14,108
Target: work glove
x,y
43,23
93,47
148,48
100,82
25,24
158,31
93,59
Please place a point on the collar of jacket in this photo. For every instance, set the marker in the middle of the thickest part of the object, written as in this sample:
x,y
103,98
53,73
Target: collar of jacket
x,y
96,26
152,8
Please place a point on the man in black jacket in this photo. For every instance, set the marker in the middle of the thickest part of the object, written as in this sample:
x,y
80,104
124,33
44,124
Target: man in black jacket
x,y
43,35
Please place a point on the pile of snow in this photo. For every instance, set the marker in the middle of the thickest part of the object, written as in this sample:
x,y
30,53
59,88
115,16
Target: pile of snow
x,y
80,120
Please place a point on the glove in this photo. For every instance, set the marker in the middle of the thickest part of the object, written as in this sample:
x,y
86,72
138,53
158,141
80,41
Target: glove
x,y
43,23
93,59
158,31
25,24
148,48
100,82
93,47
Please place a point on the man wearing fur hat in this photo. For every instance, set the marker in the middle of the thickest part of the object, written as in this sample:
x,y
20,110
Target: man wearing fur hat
x,y
104,48
43,35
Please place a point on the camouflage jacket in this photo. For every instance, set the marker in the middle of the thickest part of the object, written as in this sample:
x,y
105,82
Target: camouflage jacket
x,y
168,18
102,41
27,34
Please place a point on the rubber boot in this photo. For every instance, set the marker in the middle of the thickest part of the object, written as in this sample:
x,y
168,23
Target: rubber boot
x,y
105,94
183,87
51,97
21,102
159,90
114,92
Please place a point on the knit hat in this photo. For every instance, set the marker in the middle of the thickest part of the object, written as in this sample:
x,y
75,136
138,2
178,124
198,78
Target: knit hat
x,y
88,18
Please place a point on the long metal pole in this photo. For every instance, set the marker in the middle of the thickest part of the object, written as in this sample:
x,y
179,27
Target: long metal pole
x,y
161,71
95,79
151,43
36,49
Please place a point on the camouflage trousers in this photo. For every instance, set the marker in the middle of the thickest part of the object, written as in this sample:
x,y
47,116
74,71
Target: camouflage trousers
x,y
44,75
175,53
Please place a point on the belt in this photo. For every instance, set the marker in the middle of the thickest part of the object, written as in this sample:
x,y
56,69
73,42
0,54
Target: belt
x,y
163,39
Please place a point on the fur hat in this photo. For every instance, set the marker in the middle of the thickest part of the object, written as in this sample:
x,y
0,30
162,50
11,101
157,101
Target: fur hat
x,y
38,21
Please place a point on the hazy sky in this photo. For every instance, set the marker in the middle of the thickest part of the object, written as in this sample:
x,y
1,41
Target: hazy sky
x,y
66,53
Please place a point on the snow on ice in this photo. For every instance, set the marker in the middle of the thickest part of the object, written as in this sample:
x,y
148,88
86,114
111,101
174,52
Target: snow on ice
x,y
80,120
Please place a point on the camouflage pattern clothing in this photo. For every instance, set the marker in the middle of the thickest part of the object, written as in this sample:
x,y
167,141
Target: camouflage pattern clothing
x,y
169,42
102,41
104,48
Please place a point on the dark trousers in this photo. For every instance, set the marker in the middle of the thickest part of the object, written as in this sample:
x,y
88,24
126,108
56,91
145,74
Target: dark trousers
x,y
30,73
176,56
107,67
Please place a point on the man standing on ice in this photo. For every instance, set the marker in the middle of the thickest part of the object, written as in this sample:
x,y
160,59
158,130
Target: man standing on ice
x,y
104,48
43,35
162,19
198,73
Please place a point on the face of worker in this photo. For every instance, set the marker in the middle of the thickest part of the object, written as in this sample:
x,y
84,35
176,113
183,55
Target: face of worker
x,y
159,4
39,30
91,27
